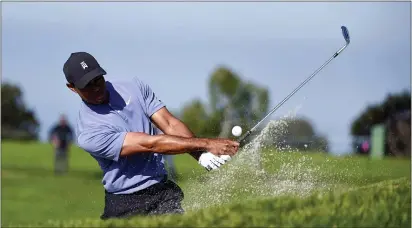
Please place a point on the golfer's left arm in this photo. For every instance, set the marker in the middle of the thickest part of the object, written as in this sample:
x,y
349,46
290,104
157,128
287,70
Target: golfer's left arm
x,y
161,117
171,125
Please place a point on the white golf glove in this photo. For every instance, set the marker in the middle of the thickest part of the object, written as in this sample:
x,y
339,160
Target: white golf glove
x,y
211,161
226,157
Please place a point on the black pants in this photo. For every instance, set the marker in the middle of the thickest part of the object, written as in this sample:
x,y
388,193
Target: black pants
x,y
161,198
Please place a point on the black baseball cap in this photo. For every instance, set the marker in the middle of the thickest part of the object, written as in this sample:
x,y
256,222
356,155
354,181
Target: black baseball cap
x,y
80,68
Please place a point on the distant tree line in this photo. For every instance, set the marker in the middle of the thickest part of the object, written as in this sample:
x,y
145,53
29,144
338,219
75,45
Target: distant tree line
x,y
18,122
394,113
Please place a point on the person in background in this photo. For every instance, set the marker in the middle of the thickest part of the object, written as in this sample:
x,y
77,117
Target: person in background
x,y
61,137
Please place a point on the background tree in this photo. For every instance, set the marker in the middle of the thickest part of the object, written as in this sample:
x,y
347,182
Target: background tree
x,y
196,117
231,102
379,113
296,133
236,102
394,113
18,122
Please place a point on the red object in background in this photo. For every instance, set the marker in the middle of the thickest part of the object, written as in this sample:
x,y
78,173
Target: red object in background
x,y
365,146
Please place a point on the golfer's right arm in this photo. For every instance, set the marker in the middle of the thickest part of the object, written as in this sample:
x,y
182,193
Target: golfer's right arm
x,y
135,142
111,144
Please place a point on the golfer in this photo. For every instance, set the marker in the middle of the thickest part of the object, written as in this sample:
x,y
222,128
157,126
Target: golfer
x,y
116,125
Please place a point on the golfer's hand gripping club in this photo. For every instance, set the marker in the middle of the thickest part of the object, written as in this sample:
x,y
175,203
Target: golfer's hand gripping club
x,y
241,141
210,161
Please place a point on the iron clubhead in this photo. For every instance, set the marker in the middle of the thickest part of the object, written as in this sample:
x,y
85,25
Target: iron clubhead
x,y
345,33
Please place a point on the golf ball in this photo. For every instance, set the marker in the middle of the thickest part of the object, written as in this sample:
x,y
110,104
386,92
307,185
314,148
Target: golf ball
x,y
236,131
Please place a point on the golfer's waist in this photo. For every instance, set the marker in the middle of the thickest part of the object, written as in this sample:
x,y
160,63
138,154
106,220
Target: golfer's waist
x,y
134,185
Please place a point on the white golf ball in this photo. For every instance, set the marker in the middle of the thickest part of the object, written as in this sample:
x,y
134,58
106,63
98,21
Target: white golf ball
x,y
236,131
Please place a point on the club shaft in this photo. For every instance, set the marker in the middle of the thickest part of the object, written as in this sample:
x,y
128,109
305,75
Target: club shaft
x,y
291,94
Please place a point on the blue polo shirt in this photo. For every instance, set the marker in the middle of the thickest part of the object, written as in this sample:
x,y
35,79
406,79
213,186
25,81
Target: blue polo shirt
x,y
101,130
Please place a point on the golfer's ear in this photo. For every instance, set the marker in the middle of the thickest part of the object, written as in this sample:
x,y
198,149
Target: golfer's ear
x,y
71,87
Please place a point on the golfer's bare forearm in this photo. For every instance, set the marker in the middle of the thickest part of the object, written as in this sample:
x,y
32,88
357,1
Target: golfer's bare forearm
x,y
178,128
166,144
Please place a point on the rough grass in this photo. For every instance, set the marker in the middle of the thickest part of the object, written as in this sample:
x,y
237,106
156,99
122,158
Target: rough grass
x,y
31,194
386,204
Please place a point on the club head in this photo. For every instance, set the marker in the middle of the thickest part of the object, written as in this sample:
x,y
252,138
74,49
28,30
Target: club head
x,y
345,33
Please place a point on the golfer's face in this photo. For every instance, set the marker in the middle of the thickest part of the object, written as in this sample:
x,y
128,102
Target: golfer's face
x,y
95,91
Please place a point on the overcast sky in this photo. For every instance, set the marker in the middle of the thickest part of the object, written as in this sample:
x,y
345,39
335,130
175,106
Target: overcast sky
x,y
172,46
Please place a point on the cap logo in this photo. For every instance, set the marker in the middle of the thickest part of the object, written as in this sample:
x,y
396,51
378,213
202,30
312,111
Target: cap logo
x,y
84,65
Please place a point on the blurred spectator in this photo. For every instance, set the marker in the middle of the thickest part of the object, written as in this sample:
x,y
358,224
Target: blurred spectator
x,y
362,145
61,136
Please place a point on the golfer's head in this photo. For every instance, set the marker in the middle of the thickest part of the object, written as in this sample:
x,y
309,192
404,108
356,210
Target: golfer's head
x,y
85,77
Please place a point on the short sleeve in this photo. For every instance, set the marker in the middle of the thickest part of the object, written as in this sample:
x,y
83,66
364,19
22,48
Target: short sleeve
x,y
102,142
151,101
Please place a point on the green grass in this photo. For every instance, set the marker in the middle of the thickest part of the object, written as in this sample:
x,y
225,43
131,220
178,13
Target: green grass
x,y
385,204
31,194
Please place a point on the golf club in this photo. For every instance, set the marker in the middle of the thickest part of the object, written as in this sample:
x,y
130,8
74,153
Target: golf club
x,y
345,33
